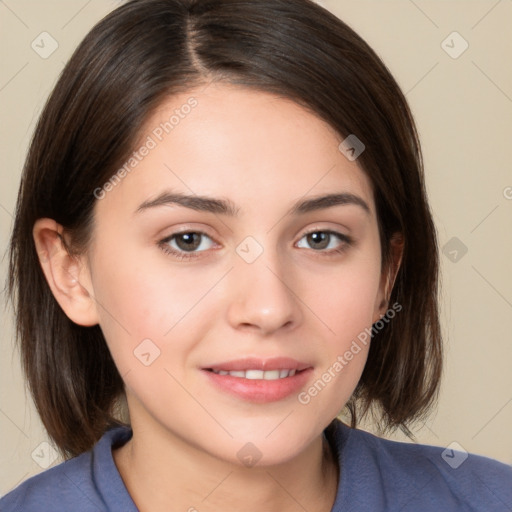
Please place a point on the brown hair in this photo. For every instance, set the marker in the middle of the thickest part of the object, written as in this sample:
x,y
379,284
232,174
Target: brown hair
x,y
126,66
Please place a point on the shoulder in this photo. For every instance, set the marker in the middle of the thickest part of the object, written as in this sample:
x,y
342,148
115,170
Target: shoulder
x,y
422,477
72,485
56,489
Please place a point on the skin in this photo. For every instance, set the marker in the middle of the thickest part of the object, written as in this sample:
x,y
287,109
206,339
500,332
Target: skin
x,y
263,153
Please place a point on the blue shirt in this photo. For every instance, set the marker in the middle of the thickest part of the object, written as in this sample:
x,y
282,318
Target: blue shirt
x,y
377,475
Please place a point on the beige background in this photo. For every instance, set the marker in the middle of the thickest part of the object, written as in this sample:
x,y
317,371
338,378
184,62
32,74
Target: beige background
x,y
463,107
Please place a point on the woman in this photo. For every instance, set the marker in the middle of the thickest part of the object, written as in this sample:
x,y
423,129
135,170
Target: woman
x,y
223,222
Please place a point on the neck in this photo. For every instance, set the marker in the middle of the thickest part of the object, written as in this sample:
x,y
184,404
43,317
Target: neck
x,y
162,470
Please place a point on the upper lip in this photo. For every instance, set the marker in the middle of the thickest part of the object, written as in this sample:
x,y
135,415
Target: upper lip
x,y
254,363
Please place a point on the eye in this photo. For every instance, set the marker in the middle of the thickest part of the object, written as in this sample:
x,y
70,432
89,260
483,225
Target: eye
x,y
185,244
320,240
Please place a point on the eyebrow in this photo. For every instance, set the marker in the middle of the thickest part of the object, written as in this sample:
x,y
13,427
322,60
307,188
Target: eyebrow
x,y
227,207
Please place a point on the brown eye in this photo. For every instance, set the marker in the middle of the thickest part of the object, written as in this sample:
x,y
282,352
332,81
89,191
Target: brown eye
x,y
186,244
320,240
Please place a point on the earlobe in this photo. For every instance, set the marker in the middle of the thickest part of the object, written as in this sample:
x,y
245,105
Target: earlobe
x,y
67,275
389,276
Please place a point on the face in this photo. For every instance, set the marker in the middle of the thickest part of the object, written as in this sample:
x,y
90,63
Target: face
x,y
251,283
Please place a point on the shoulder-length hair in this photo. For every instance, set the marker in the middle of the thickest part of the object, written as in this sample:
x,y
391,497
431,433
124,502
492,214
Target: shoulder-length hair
x,y
131,61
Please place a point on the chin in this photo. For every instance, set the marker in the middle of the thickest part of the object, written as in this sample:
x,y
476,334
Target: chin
x,y
258,448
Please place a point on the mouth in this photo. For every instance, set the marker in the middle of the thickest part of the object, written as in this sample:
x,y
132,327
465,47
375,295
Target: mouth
x,y
259,380
254,374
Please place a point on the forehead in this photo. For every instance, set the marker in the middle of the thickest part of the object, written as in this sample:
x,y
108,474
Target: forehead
x,y
250,146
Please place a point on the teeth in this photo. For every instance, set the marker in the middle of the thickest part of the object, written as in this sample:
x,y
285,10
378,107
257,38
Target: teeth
x,y
258,374
254,374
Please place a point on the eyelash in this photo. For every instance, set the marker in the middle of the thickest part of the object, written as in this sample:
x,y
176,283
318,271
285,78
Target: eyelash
x,y
182,255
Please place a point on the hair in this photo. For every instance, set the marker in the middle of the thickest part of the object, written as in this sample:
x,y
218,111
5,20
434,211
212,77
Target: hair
x,y
128,64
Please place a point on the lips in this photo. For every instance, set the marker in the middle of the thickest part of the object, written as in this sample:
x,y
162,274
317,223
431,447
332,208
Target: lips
x,y
259,380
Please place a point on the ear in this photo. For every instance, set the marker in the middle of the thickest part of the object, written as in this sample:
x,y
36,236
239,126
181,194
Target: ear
x,y
68,276
389,276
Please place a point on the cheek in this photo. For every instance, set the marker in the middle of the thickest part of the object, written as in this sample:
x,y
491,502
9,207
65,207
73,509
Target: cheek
x,y
345,298
345,302
142,299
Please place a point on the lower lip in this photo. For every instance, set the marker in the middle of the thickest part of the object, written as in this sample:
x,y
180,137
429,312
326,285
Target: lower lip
x,y
260,390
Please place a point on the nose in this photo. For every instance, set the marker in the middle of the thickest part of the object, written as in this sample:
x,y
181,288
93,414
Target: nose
x,y
262,296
